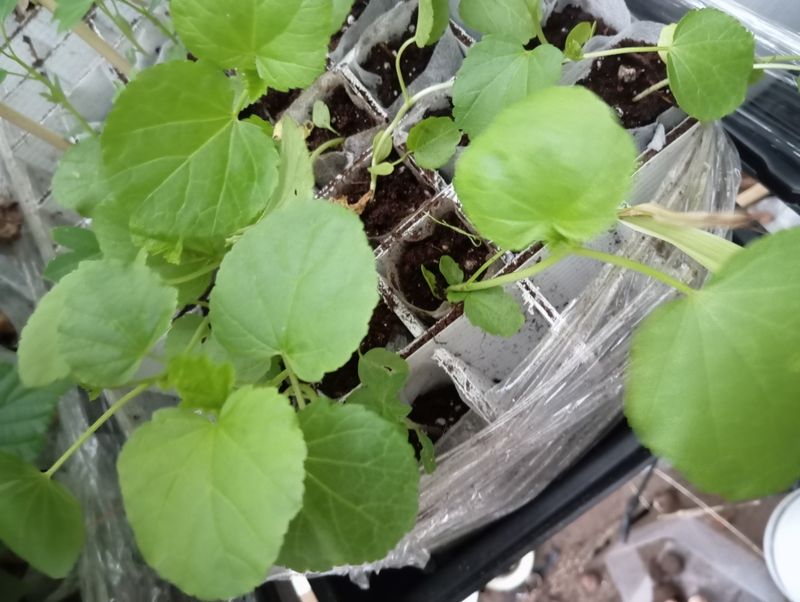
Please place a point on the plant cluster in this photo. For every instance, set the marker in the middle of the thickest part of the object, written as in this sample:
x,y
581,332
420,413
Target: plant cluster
x,y
210,270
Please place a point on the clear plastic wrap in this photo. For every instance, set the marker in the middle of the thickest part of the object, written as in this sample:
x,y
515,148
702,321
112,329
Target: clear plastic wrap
x,y
567,392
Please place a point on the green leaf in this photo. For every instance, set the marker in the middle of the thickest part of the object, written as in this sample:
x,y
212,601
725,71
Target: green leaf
x,y
381,147
79,182
511,18
361,489
427,454
6,8
383,376
191,278
110,226
381,169
69,13
189,174
495,311
497,73
555,166
709,63
433,141
430,280
182,332
341,9
3,75
321,116
210,502
432,21
40,521
84,247
254,87
200,382
577,38
249,370
451,271
710,251
296,176
713,381
284,42
25,414
265,126
310,302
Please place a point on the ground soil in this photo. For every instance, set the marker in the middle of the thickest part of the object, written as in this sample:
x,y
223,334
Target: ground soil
x,y
398,195
358,8
10,222
618,79
381,62
427,252
385,330
346,118
437,411
271,106
561,23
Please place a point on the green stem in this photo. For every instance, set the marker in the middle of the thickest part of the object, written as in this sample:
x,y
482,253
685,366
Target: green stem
x,y
485,266
278,379
124,31
198,334
407,106
33,127
152,18
399,70
654,88
630,264
93,428
778,66
530,272
325,146
298,393
618,51
775,58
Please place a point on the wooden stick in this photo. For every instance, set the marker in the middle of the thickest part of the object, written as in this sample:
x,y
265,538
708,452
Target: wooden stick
x,y
752,195
32,127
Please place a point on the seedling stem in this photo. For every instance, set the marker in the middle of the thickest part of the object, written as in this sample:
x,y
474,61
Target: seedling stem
x,y
296,390
618,51
654,88
399,70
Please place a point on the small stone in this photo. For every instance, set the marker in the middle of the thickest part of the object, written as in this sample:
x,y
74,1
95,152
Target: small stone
x,y
627,74
591,581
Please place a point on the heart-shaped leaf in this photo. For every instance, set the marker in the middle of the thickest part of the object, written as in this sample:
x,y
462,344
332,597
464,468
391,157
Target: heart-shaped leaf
x,y
714,378
555,166
495,311
360,492
302,285
511,18
228,488
433,141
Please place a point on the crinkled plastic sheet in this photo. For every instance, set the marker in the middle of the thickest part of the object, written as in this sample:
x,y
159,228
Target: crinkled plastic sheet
x,y
568,391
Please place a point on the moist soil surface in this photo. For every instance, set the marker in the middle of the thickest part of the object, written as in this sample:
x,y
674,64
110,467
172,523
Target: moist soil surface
x,y
437,411
397,196
427,252
271,106
618,79
10,222
385,330
561,23
381,62
346,118
358,8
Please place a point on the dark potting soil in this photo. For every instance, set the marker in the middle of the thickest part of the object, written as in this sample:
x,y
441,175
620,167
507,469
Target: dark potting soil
x,y
358,8
346,118
561,23
385,330
271,106
618,79
397,196
10,222
427,252
8,334
381,59
446,111
437,411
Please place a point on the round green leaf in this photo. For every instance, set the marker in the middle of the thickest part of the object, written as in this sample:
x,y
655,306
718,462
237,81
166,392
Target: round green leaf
x,y
188,172
710,63
201,382
210,502
40,521
512,18
70,13
497,73
434,16
495,311
714,379
25,414
112,315
555,166
79,183
361,491
285,42
301,284
433,141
